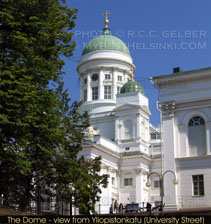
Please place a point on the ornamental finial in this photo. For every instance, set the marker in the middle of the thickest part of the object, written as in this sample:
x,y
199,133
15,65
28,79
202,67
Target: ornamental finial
x,y
106,21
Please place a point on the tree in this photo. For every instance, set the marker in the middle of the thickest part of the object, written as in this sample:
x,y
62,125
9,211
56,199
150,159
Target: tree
x,y
40,134
87,192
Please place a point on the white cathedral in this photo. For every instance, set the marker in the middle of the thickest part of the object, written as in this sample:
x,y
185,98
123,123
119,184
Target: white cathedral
x,y
138,156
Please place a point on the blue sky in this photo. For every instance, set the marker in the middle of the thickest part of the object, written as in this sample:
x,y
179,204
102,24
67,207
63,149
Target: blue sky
x,y
160,34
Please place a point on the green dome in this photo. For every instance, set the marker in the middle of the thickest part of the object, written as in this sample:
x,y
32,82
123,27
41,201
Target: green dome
x,y
106,42
132,86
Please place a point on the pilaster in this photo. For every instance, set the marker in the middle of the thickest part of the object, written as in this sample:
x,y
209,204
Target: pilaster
x,y
208,137
89,93
169,149
114,83
138,127
81,87
100,85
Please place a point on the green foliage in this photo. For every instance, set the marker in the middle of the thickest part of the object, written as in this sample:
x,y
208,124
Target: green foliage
x,y
40,134
87,192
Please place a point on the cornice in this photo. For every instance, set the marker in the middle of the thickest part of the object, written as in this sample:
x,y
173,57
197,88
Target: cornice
x,y
96,59
101,68
181,80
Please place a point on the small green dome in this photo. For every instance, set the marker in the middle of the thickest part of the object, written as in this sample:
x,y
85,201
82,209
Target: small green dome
x,y
106,42
132,86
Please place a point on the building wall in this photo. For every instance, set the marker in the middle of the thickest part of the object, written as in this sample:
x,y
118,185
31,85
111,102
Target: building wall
x,y
186,169
182,98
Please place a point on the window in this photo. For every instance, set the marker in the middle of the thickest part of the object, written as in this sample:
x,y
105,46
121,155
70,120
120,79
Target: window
x,y
156,183
118,90
95,77
107,76
153,135
94,93
197,136
85,80
196,121
119,78
198,185
128,181
85,95
107,92
128,129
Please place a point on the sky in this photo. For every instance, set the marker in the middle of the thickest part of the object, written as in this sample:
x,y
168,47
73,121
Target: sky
x,y
160,34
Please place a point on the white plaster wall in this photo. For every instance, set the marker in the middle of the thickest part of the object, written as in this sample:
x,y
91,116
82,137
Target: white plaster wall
x,y
97,106
132,98
190,91
105,126
186,198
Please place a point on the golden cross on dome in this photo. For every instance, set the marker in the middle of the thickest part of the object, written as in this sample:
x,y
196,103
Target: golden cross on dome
x,y
106,21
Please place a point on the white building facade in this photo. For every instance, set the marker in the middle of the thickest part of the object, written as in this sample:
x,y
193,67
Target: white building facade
x,y
130,147
186,124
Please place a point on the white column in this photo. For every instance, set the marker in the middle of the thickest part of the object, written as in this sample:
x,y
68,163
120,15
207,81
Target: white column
x,y
138,127
116,130
169,147
208,137
81,87
124,77
109,186
147,130
89,90
134,128
138,186
114,84
100,85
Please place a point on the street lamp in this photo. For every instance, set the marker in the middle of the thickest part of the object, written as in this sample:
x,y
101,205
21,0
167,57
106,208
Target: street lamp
x,y
161,177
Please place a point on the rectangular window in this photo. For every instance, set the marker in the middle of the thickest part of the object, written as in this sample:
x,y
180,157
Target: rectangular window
x,y
153,135
198,185
85,95
156,183
107,92
94,93
85,80
128,181
119,78
118,90
107,76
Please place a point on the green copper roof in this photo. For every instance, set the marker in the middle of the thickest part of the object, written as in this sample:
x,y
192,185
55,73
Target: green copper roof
x,y
106,42
132,86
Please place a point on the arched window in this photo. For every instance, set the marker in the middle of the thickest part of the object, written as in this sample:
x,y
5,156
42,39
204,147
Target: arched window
x,y
197,136
128,129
